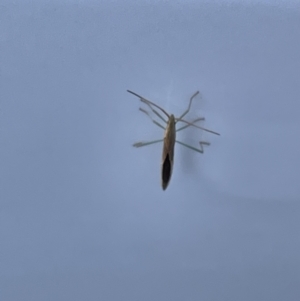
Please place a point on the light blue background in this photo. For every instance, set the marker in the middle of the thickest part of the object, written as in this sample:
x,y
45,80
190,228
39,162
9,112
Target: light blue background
x,y
82,212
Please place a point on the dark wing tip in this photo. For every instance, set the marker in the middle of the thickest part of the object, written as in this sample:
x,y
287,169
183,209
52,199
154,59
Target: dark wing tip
x,y
166,172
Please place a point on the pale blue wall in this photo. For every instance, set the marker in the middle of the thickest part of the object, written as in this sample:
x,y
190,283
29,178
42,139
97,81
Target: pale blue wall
x,y
82,213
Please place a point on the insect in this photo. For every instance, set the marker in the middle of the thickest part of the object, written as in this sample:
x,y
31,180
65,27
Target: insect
x,y
170,135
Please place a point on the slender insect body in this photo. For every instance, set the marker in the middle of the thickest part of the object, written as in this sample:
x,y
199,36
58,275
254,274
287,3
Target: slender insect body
x,y
170,136
168,152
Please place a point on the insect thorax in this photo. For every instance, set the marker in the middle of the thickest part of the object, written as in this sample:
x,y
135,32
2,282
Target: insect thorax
x,y
170,133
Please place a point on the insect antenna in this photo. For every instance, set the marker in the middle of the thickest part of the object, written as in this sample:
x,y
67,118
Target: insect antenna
x,y
149,102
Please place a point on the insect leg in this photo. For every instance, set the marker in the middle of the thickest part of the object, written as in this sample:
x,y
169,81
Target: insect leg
x,y
140,144
154,111
197,126
149,102
194,121
201,150
154,121
188,109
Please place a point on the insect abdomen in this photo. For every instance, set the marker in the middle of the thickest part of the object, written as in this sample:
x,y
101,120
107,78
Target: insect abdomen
x,y
166,172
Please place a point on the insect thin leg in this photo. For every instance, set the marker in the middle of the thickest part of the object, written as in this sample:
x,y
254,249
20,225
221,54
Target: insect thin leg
x,y
201,150
149,102
199,127
154,111
194,121
154,121
140,144
189,107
